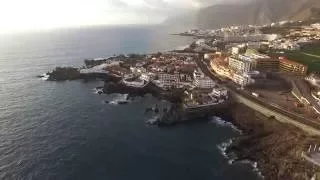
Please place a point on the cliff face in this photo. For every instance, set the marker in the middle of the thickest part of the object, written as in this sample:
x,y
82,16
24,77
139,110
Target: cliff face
x,y
255,12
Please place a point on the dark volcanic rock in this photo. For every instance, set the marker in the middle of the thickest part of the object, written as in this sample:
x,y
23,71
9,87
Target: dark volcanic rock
x,y
275,146
177,113
173,96
64,73
103,76
71,73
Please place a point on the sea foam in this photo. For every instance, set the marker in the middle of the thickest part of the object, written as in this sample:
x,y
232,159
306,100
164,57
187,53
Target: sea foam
x,y
220,122
118,98
45,76
223,147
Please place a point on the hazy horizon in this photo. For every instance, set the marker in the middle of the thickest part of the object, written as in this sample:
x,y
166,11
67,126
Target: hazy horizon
x,y
30,15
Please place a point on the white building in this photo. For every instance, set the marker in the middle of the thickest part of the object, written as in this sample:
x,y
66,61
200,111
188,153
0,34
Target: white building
x,y
254,45
145,77
167,81
270,37
197,74
171,77
240,65
204,83
138,70
316,26
200,42
137,83
235,50
242,79
209,55
219,92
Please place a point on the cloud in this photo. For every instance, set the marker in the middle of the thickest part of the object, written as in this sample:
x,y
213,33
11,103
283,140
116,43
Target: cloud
x,y
39,14
157,3
204,3
118,3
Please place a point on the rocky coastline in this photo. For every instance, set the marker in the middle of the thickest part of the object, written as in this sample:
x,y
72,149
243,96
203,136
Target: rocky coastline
x,y
64,73
276,147
177,112
72,73
174,96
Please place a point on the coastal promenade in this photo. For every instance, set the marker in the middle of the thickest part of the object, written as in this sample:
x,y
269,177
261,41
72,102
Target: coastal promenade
x,y
312,127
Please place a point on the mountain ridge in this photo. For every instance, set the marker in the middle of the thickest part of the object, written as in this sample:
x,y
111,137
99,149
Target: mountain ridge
x,y
253,12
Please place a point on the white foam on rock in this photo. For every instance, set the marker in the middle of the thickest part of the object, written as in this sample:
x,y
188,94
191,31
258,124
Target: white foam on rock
x,y
223,147
153,120
97,90
254,166
220,122
118,97
45,76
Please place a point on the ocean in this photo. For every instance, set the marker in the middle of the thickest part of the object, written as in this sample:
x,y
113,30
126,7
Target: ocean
x,y
64,130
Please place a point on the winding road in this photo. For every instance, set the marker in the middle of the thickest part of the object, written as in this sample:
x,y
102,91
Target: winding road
x,y
308,125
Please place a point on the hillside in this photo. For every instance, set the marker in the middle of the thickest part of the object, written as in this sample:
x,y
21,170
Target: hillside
x,y
253,12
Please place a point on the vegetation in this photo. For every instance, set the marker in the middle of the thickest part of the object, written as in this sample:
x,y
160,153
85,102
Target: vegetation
x,y
308,55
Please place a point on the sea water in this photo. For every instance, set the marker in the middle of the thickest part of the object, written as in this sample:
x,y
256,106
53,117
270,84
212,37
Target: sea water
x,y
65,130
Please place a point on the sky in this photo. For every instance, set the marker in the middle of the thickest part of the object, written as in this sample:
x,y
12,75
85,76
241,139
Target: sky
x,y
23,15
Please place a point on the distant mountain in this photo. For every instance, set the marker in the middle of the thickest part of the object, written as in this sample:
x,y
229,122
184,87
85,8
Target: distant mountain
x,y
184,20
252,12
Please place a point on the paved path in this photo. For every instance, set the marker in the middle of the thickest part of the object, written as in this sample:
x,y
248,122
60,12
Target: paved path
x,y
279,116
312,158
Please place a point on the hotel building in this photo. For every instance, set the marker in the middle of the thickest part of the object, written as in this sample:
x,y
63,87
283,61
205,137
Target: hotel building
x,y
263,64
239,65
287,65
203,82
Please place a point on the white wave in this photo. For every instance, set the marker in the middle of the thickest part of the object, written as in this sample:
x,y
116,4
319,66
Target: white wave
x,y
220,122
45,76
233,159
254,166
224,146
113,102
118,98
153,120
97,90
230,161
182,47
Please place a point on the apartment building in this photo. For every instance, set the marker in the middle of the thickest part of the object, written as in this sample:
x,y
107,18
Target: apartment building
x,y
239,65
287,65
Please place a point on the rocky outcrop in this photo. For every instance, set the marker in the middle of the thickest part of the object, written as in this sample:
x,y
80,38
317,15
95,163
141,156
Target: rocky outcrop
x,y
275,146
173,96
64,73
71,73
178,113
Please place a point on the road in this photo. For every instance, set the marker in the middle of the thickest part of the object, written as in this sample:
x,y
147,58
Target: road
x,y
305,91
309,125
